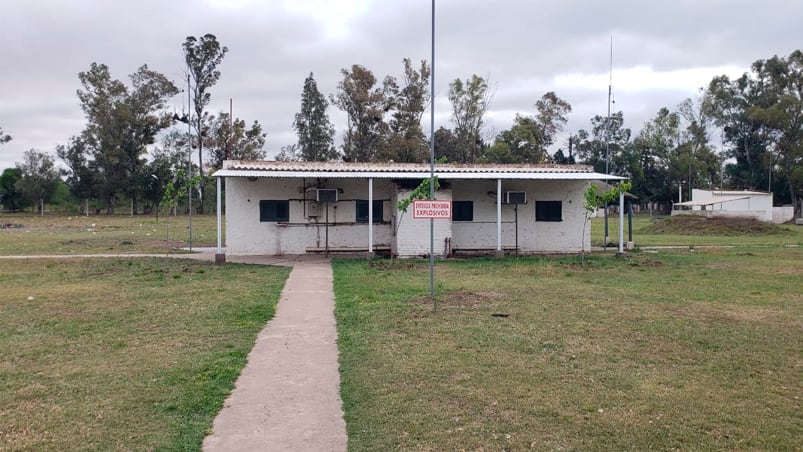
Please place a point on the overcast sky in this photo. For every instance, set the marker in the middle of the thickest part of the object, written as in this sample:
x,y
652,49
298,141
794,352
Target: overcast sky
x,y
662,53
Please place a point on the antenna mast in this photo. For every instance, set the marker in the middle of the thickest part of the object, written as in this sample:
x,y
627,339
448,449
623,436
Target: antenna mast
x,y
608,120
608,138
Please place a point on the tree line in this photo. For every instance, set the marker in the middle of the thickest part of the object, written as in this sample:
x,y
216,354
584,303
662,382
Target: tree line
x,y
755,121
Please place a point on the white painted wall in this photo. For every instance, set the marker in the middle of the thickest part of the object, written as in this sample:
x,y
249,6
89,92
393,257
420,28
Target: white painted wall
x,y
246,235
533,237
783,214
412,237
757,205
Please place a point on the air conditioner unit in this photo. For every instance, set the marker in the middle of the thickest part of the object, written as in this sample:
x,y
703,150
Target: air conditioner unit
x,y
515,197
326,195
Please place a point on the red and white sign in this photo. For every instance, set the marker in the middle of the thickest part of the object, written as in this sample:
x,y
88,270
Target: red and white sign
x,y
424,208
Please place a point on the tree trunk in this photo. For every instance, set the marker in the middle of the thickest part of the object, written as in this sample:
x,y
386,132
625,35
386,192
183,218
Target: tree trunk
x,y
134,204
41,206
201,182
110,205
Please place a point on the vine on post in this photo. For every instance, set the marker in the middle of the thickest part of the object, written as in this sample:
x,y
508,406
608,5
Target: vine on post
x,y
593,199
420,192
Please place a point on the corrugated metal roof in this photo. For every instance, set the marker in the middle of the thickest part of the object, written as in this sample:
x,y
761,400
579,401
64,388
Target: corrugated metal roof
x,y
238,168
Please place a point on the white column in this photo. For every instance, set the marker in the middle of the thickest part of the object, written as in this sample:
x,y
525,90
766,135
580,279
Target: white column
x,y
499,215
621,222
370,215
219,216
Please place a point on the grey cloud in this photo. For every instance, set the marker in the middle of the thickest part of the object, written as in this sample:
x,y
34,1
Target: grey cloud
x,y
520,44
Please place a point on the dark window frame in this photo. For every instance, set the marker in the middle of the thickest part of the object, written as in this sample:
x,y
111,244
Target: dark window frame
x,y
463,211
274,210
549,211
361,211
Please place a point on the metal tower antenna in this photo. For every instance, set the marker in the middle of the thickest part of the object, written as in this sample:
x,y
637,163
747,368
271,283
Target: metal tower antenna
x,y
608,120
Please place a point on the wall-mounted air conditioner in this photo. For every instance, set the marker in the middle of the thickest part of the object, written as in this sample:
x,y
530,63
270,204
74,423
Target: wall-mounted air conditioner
x,y
326,195
515,197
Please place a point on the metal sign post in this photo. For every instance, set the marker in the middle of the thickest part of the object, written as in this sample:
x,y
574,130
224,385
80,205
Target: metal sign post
x,y
432,163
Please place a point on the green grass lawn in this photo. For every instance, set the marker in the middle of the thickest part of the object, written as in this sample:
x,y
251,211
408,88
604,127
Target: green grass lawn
x,y
692,349
26,234
123,354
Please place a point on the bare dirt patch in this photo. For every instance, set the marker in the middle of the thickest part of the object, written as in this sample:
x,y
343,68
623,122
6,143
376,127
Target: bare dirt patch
x,y
696,225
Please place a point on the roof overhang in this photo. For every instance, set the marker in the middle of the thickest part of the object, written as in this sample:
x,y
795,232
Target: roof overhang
x,y
444,175
391,170
711,201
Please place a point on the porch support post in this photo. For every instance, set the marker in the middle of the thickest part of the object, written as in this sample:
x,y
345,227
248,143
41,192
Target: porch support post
x,y
621,222
499,217
370,217
220,256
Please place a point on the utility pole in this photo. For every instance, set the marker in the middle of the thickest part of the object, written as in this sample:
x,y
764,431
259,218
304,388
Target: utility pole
x,y
608,137
432,164
189,160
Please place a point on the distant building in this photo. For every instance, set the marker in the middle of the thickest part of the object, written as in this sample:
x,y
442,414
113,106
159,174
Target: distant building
x,y
733,203
276,208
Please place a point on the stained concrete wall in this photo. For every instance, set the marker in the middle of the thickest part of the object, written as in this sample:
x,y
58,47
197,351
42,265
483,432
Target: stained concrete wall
x,y
413,234
565,236
406,236
306,228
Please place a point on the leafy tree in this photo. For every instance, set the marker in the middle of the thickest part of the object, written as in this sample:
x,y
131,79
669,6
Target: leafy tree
x,y
761,114
202,55
81,178
701,161
173,191
593,199
121,123
289,153
470,101
563,158
446,146
167,165
10,195
551,118
4,138
315,132
774,92
407,142
38,178
365,105
605,137
520,144
729,103
658,159
528,140
232,140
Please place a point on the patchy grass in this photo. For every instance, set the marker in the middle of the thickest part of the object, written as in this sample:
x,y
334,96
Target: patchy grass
x,y
25,234
688,350
123,354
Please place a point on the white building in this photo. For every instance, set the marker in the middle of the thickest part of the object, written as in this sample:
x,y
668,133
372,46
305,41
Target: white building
x,y
734,203
275,208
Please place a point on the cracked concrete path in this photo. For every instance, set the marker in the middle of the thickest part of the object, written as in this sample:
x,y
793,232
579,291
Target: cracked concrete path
x,y
288,395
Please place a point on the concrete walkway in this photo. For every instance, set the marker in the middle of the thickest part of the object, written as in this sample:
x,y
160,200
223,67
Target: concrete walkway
x,y
288,395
